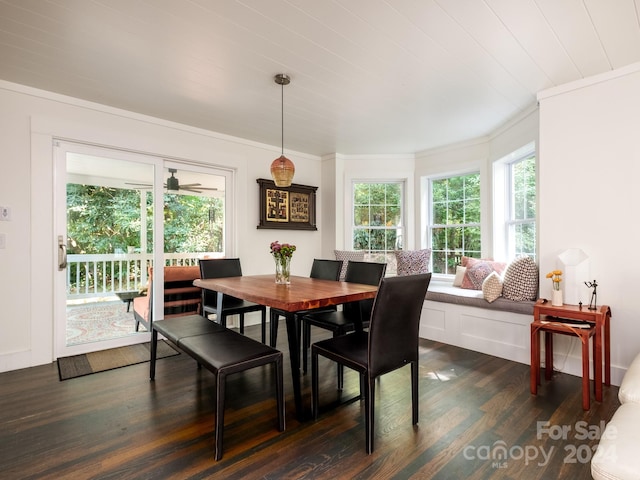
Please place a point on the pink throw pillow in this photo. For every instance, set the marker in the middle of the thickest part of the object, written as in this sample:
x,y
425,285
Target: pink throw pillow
x,y
478,270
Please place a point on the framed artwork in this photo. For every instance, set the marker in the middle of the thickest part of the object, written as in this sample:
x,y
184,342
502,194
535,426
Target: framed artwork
x,y
287,208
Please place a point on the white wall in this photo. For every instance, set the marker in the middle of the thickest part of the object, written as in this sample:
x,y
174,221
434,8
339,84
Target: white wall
x,y
589,161
29,119
329,206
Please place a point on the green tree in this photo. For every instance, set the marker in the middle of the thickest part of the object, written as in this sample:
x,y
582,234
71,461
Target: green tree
x,y
192,224
455,228
377,216
103,219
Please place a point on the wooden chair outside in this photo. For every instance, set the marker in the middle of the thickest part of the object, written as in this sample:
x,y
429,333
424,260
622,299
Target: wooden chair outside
x,y
180,296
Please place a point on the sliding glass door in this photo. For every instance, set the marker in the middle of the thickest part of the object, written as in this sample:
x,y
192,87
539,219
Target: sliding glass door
x,y
117,214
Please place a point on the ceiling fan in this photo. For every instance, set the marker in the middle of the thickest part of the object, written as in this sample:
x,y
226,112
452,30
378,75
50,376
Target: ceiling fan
x,y
174,185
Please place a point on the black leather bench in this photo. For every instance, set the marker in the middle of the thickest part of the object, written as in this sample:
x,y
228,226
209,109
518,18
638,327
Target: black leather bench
x,y
223,352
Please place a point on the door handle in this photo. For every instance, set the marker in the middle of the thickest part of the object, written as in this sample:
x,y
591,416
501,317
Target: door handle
x,y
62,253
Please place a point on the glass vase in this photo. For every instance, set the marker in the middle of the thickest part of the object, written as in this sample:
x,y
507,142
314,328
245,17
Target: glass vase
x,y
283,273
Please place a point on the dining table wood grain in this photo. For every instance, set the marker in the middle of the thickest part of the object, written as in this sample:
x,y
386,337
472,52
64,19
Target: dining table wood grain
x,y
303,293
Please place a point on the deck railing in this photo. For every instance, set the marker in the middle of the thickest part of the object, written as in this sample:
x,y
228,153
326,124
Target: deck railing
x,y
103,275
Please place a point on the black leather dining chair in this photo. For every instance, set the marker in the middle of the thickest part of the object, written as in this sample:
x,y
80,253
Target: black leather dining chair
x,y
390,343
341,322
227,267
321,269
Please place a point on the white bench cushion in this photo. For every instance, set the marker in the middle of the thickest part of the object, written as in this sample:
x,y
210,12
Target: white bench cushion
x,y
617,456
630,386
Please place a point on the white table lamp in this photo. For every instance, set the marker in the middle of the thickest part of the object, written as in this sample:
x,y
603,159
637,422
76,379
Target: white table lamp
x,y
574,264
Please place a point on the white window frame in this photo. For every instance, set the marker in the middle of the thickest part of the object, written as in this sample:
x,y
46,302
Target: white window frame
x,y
430,223
503,203
403,216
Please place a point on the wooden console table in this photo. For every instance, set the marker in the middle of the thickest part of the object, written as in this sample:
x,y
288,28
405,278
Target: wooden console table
x,y
549,319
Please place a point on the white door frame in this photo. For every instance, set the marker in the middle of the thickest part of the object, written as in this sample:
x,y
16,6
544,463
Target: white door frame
x,y
60,150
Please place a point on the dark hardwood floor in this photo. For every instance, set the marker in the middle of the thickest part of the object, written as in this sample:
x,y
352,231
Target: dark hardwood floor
x,y
477,421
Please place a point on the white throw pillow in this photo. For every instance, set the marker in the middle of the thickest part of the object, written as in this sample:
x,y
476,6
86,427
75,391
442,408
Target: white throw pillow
x,y
460,271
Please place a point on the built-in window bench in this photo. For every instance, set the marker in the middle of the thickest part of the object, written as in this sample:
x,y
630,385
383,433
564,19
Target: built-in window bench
x,y
463,318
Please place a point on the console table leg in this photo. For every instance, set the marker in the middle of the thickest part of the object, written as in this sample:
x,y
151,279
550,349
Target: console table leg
x,y
535,360
548,355
586,393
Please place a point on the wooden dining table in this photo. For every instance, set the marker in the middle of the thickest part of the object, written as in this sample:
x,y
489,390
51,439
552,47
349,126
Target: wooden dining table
x,y
303,293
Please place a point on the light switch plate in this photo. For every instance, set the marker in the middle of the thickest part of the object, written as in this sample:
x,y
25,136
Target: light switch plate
x,y
3,241
5,214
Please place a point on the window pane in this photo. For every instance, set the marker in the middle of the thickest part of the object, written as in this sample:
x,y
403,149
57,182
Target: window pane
x,y
361,215
439,213
518,204
360,239
361,194
377,240
531,205
393,216
439,239
439,259
472,186
455,212
521,223
455,225
439,190
472,211
525,238
455,188
392,240
472,241
377,193
454,238
394,194
377,216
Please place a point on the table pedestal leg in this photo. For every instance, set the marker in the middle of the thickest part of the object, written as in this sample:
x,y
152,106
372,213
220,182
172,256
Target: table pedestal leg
x,y
294,356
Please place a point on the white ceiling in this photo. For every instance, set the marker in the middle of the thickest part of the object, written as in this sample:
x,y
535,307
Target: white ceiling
x,y
368,76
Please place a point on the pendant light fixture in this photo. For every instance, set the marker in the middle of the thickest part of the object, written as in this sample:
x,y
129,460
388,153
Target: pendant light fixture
x,y
282,169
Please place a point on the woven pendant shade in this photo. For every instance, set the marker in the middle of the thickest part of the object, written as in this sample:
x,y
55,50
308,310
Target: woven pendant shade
x,y
282,170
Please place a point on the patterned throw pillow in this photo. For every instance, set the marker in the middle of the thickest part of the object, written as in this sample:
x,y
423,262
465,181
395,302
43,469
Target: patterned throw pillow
x,y
492,287
345,256
521,280
465,260
413,262
478,270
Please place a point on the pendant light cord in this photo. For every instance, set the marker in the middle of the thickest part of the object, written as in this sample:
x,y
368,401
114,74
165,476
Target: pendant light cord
x,y
282,116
